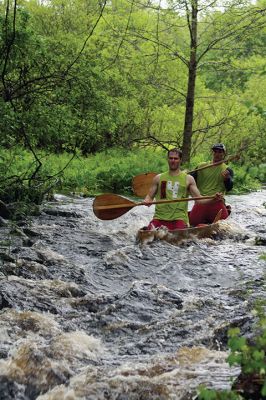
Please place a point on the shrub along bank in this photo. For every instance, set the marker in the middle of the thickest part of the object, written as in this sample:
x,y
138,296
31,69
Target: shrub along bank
x,y
250,355
108,171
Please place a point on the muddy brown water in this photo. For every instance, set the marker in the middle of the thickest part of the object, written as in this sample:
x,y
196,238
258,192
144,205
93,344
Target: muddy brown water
x,y
89,313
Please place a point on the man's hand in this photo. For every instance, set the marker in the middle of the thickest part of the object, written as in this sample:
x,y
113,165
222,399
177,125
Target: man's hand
x,y
218,196
147,201
226,174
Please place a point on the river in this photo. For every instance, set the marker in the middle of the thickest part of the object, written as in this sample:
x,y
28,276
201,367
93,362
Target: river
x,y
87,313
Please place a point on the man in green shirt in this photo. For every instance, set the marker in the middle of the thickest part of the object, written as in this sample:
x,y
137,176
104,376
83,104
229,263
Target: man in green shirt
x,y
217,178
170,185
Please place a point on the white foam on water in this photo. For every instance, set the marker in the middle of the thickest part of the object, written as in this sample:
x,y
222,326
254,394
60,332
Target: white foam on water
x,y
78,344
163,377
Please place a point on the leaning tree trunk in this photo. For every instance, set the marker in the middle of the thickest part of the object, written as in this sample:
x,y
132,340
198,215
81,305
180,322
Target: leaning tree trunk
x,y
192,73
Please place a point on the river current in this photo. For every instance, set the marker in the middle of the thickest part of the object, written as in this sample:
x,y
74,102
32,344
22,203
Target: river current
x,y
87,313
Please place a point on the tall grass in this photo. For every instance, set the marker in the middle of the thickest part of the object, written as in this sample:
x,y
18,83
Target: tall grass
x,y
109,171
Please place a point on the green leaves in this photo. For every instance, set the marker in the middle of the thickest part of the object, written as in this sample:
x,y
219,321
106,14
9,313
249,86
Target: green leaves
x,y
210,394
250,356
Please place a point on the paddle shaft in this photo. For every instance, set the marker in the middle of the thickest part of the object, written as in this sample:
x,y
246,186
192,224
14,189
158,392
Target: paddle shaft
x,y
131,205
213,164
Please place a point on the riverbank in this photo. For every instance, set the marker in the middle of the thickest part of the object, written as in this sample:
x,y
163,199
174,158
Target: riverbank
x,y
111,171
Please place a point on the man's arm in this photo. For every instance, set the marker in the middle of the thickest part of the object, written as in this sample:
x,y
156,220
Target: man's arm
x,y
192,187
153,190
228,176
194,174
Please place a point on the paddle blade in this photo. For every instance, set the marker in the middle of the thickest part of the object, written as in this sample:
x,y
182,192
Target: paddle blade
x,y
142,183
111,206
218,216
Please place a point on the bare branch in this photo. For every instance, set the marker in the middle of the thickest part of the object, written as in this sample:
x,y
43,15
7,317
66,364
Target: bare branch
x,y
208,127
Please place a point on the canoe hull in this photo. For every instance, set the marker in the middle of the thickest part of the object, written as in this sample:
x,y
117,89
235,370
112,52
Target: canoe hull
x,y
178,235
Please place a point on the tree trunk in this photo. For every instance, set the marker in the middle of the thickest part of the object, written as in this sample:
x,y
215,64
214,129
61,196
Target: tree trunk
x,y
190,97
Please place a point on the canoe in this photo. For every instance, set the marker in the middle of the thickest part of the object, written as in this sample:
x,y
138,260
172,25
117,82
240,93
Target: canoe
x,y
177,236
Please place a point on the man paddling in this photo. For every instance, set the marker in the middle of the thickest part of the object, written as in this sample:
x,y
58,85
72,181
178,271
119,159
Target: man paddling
x,y
171,185
217,178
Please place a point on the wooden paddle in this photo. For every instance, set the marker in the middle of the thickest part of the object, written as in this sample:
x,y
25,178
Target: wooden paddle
x,y
218,216
111,206
142,183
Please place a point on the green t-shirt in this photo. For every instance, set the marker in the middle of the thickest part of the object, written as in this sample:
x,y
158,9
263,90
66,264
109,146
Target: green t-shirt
x,y
210,180
172,187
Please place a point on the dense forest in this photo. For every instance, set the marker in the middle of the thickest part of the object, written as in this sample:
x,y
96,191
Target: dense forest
x,y
82,77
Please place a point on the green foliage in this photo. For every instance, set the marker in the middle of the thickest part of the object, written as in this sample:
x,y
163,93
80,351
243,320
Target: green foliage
x,y
21,179
127,83
211,394
108,171
258,172
249,355
244,180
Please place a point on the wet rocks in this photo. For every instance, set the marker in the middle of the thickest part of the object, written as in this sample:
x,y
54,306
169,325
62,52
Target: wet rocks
x,y
260,241
220,334
11,390
61,213
4,301
4,212
3,222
